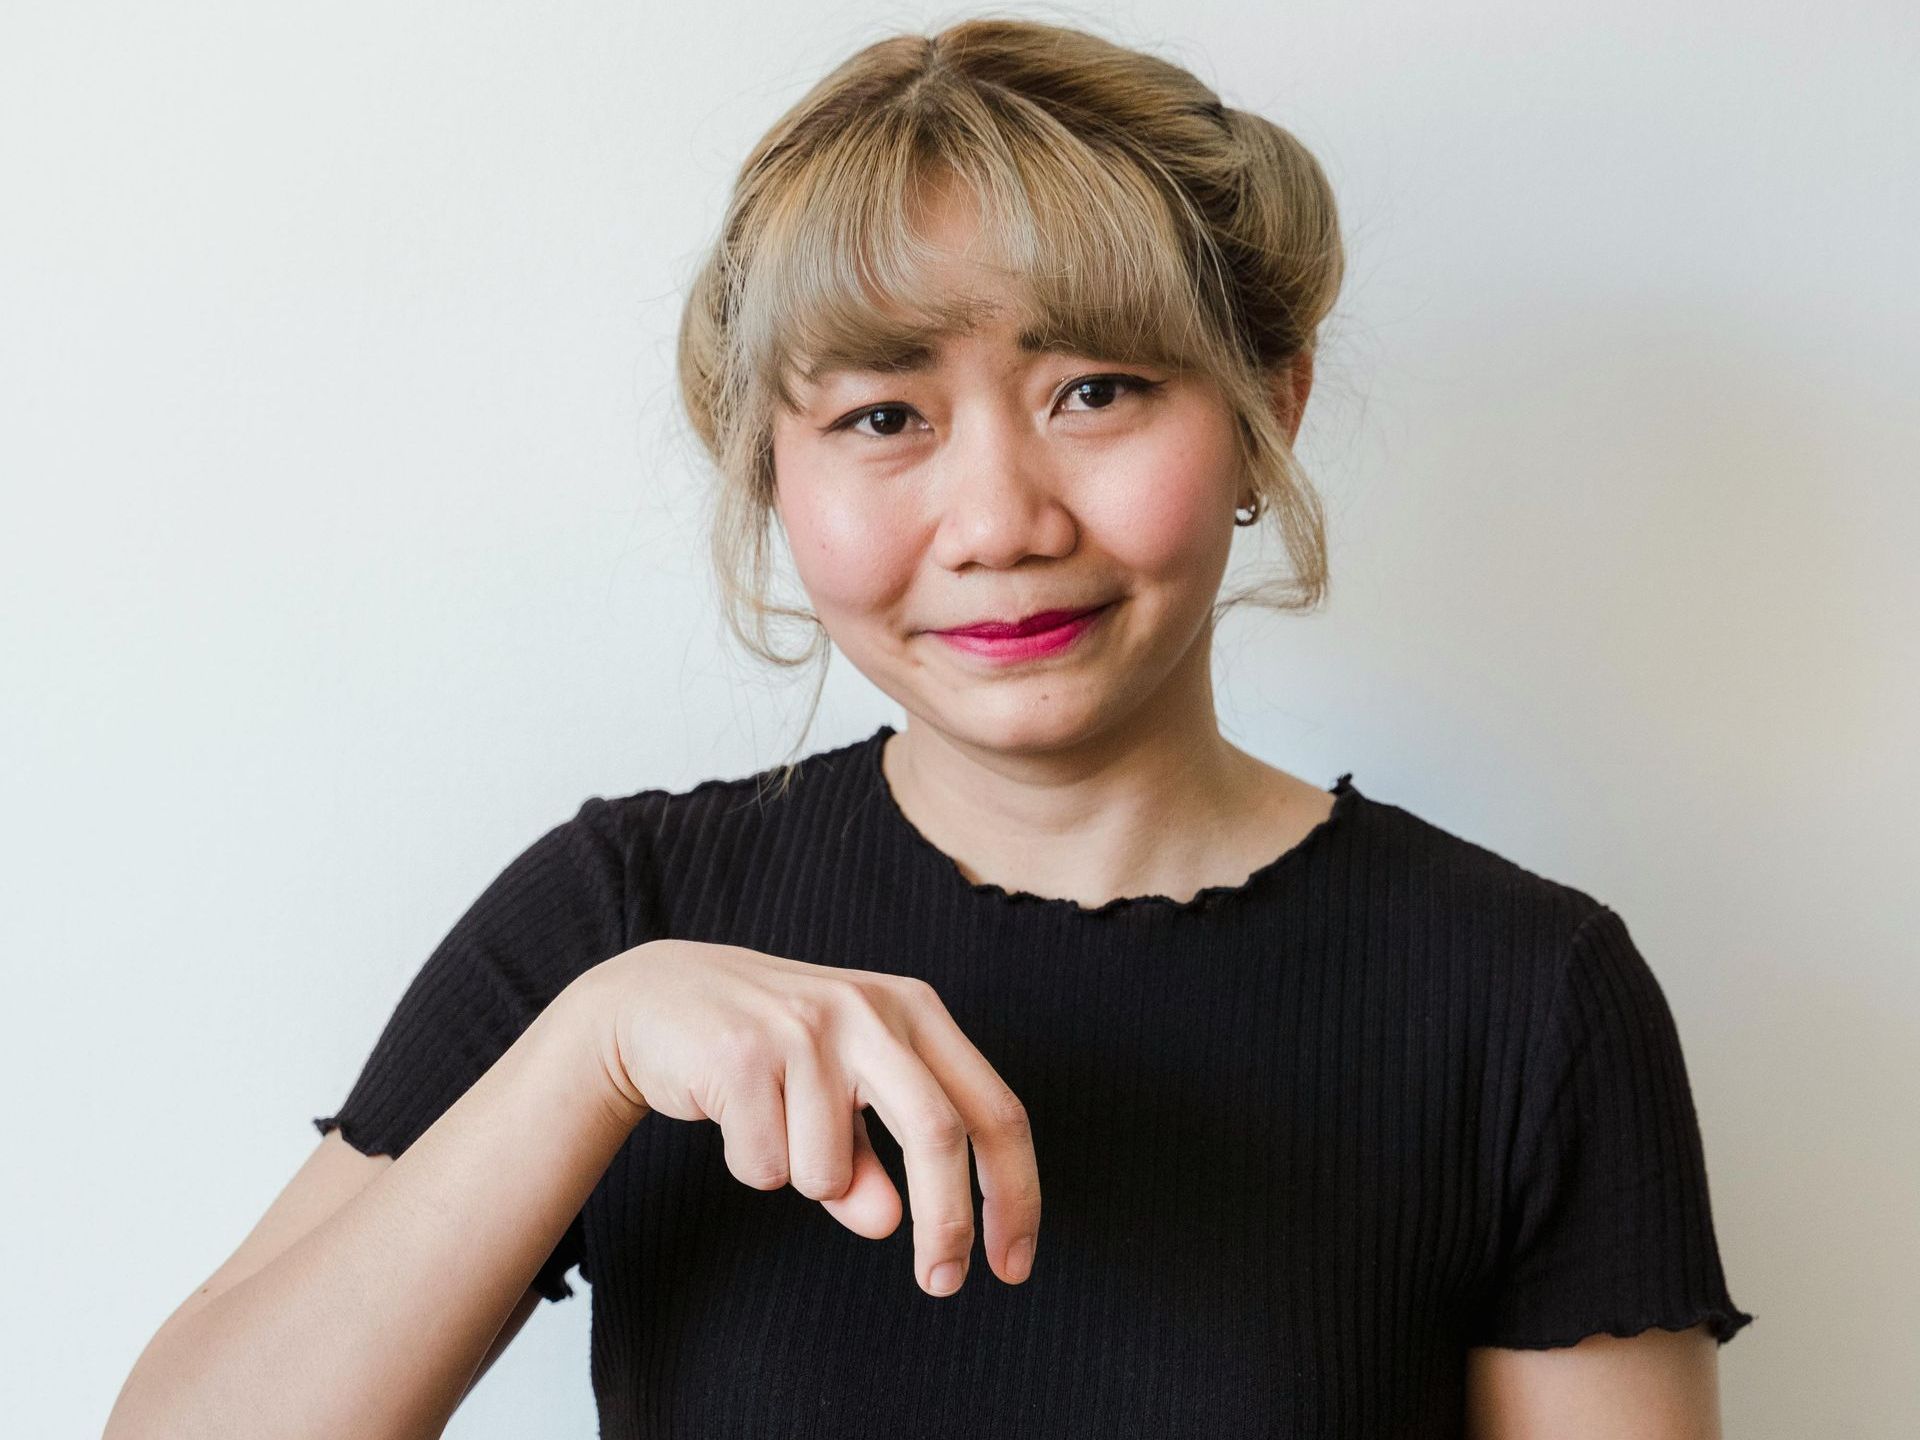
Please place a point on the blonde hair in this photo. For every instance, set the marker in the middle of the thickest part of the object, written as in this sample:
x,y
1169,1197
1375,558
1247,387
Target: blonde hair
x,y
1138,217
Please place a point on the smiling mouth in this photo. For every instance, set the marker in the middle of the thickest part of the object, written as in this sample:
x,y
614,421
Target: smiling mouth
x,y
1013,629
1038,637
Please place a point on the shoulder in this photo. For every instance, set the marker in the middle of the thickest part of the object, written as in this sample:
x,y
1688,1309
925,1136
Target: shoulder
x,y
717,833
660,814
1459,895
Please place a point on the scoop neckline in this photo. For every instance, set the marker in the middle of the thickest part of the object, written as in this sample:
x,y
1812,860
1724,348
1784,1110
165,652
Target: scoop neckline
x,y
1346,797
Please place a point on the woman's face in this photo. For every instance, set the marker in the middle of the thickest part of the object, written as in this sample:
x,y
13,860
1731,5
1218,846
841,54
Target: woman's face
x,y
993,483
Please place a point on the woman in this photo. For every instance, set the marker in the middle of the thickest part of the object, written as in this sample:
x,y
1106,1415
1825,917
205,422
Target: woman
x,y
1344,1125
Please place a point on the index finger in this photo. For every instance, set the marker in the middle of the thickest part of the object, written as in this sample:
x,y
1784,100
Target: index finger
x,y
1002,1135
891,1075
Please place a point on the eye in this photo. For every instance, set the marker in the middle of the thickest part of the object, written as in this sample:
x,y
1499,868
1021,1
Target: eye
x,y
889,422
1102,385
891,419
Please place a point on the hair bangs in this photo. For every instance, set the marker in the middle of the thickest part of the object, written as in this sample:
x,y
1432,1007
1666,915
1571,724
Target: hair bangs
x,y
1110,270
1084,254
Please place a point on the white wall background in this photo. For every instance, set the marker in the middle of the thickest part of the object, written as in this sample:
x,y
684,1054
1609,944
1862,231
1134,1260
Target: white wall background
x,y
349,541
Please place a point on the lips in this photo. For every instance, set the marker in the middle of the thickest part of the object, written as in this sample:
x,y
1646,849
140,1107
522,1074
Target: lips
x,y
1032,625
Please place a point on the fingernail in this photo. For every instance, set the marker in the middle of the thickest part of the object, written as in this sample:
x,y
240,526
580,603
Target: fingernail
x,y
946,1277
1020,1257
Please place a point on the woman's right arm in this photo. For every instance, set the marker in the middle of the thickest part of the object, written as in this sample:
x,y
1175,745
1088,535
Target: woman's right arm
x,y
375,1320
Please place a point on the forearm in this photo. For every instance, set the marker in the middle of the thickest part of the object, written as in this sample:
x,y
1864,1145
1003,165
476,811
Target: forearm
x,y
372,1323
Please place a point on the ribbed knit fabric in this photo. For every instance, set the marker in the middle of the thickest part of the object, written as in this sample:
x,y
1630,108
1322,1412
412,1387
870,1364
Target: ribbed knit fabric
x,y
1302,1140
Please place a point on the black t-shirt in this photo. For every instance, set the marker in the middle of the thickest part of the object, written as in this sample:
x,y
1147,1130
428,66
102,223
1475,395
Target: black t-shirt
x,y
1302,1140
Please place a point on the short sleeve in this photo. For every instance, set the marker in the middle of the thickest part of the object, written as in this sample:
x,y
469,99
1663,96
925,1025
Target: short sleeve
x,y
557,910
1608,1225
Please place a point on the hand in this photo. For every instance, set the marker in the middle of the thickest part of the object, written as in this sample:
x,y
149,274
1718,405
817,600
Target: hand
x,y
786,1056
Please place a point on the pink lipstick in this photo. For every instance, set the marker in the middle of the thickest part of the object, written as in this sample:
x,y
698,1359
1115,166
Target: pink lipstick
x,y
1047,633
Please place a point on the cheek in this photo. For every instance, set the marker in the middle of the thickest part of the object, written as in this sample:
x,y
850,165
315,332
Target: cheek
x,y
1167,516
849,555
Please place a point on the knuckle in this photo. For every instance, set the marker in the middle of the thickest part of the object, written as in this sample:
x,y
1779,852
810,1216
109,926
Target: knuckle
x,y
937,1128
805,1013
918,991
762,1172
1008,1114
743,1049
1024,1199
947,1231
858,999
818,1182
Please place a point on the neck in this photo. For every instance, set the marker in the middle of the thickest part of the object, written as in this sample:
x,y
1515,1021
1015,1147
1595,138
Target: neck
x,y
1153,809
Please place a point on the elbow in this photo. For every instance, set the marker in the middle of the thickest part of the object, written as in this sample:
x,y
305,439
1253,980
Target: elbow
x,y
156,1402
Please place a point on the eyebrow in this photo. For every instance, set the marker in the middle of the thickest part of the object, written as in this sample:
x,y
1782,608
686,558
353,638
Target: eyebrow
x,y
910,357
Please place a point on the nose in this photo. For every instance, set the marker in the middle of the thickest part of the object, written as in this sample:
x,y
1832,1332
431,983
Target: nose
x,y
998,493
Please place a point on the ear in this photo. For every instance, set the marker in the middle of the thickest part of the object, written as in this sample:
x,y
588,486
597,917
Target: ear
x,y
1291,384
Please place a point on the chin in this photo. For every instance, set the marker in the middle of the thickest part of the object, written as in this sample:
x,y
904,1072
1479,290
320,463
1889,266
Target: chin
x,y
1040,720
